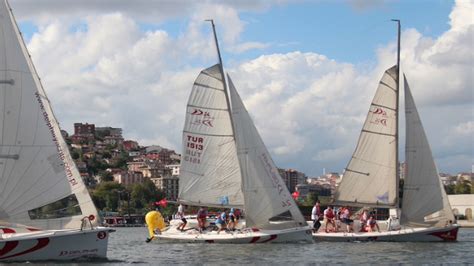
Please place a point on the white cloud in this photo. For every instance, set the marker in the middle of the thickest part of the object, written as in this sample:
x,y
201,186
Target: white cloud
x,y
308,108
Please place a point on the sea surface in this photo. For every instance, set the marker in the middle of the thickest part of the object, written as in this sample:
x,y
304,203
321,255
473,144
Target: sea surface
x,y
127,246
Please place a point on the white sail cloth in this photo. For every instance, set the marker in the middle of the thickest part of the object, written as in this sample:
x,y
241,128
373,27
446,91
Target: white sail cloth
x,y
424,200
266,195
210,174
36,168
370,177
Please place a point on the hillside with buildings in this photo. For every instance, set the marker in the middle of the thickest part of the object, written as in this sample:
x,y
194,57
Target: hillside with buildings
x,y
126,177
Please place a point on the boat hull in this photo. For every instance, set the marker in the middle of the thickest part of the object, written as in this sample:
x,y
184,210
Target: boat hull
x,y
446,234
246,236
54,245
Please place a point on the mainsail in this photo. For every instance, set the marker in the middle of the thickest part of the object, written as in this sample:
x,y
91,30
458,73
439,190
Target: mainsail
x,y
39,183
210,174
424,200
370,177
266,195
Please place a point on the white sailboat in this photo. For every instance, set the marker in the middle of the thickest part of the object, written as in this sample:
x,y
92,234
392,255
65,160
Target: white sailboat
x,y
46,212
226,164
371,177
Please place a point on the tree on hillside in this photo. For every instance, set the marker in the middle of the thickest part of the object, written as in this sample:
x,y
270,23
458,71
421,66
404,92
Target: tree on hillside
x,y
144,195
106,176
463,187
106,197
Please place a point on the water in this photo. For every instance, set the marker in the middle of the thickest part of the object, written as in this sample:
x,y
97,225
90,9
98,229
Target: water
x,y
127,246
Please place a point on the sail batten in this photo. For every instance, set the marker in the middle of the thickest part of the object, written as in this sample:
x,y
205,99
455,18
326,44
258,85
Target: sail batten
x,y
371,176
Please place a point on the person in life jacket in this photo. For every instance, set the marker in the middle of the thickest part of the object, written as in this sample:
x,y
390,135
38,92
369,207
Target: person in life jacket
x,y
315,215
329,218
372,224
221,221
346,219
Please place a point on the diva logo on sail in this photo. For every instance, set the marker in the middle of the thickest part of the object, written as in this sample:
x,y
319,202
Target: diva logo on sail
x,y
202,117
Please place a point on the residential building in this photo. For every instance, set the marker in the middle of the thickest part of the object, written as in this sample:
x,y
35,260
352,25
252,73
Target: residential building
x,y
128,177
170,186
174,169
130,145
109,131
292,178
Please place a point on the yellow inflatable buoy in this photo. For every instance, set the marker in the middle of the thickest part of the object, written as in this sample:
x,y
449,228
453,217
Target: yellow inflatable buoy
x,y
155,223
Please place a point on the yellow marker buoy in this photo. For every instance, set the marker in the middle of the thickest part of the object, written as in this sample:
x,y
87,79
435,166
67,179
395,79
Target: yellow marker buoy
x,y
155,223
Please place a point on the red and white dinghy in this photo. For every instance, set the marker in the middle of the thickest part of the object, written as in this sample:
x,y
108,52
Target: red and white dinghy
x,y
244,236
40,186
415,234
371,177
30,244
226,165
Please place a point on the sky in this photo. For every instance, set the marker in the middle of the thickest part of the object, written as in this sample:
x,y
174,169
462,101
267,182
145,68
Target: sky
x,y
306,70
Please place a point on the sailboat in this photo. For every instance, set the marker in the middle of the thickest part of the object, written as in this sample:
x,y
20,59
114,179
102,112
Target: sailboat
x,y
371,178
46,212
225,164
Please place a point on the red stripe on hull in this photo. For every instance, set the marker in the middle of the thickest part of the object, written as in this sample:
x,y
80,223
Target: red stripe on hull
x,y
450,235
8,230
255,239
272,237
42,242
9,246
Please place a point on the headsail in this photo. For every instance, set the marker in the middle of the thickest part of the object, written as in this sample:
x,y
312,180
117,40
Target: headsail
x,y
39,183
210,174
370,177
424,200
266,195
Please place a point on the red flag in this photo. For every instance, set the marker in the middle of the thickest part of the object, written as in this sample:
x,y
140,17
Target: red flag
x,y
163,203
295,195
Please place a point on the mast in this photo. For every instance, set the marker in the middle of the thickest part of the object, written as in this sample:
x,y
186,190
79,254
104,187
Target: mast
x,y
397,118
223,76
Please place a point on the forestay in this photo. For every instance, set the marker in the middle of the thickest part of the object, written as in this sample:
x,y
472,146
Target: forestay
x,y
210,174
266,195
40,185
424,200
370,177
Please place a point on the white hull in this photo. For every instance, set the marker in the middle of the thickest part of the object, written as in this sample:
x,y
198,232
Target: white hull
x,y
448,233
245,236
54,245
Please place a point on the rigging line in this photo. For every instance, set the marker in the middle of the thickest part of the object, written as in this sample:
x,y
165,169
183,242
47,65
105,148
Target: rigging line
x,y
204,72
209,108
388,86
383,106
378,133
371,162
30,146
357,172
19,179
207,86
79,204
205,134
